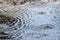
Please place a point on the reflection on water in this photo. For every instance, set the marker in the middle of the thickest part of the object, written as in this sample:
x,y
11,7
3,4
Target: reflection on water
x,y
31,23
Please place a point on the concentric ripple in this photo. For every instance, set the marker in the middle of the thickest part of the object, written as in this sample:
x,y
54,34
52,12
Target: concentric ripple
x,y
30,23
11,24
